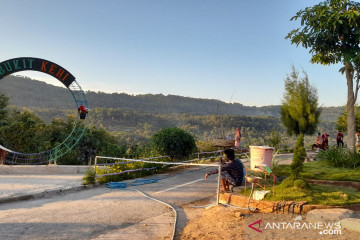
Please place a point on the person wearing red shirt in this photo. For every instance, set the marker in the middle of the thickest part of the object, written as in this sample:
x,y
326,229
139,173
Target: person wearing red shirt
x,y
339,139
325,140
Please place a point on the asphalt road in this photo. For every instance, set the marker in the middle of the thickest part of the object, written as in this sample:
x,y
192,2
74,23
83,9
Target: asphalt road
x,y
103,213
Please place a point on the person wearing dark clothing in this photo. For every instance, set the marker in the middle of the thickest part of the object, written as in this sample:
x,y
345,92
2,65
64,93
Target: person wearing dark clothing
x,y
232,172
339,139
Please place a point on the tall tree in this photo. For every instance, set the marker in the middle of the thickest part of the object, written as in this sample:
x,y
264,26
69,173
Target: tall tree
x,y
299,114
331,30
299,111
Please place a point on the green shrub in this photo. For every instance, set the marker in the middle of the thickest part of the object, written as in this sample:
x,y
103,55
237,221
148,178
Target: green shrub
x,y
300,184
299,157
175,142
121,168
89,177
340,157
287,183
290,183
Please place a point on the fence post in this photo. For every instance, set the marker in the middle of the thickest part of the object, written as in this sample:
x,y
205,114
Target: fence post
x,y
95,163
218,187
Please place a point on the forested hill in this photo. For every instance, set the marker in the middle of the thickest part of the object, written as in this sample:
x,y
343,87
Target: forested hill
x,y
32,93
26,92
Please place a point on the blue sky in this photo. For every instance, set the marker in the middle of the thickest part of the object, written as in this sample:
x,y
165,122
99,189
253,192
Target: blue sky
x,y
232,50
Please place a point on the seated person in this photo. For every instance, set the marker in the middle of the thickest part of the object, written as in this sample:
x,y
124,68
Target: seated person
x,y
316,148
232,173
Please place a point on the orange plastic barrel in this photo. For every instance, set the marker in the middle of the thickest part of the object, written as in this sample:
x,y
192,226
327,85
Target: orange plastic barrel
x,y
259,155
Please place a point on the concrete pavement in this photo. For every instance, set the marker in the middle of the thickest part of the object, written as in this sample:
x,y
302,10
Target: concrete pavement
x,y
97,213
27,182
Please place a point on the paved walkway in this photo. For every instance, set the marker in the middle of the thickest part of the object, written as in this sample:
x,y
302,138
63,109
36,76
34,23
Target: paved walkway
x,y
15,187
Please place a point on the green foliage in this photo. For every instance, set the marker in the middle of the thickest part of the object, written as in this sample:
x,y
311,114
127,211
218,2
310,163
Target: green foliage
x,y
89,177
4,102
315,194
26,132
174,142
130,121
320,170
340,157
70,158
134,119
96,141
293,184
204,146
299,110
330,29
287,183
301,184
122,168
300,190
23,132
341,123
274,139
299,157
57,131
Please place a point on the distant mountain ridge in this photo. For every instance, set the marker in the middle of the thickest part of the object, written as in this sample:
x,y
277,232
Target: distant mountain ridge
x,y
26,92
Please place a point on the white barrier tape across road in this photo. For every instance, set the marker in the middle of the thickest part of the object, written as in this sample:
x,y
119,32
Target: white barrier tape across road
x,y
178,186
165,163
170,163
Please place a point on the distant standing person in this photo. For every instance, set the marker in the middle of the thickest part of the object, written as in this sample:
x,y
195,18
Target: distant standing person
x,y
228,137
339,139
318,140
237,137
325,140
357,141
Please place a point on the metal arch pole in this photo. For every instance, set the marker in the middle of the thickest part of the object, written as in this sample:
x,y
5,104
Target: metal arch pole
x,y
78,94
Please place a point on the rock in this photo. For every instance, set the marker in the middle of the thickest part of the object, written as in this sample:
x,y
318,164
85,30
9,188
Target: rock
x,y
298,218
329,215
352,224
239,215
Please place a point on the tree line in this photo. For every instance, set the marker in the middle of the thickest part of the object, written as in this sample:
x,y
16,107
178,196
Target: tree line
x,y
45,96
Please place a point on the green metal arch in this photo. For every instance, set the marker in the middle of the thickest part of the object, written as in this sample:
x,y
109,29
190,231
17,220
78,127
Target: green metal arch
x,y
23,64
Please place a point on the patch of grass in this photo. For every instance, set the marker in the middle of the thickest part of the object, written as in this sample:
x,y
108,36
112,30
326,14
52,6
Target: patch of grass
x,y
318,194
321,171
315,194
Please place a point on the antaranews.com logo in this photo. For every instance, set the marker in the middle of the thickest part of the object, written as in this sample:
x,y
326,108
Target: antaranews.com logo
x,y
323,228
